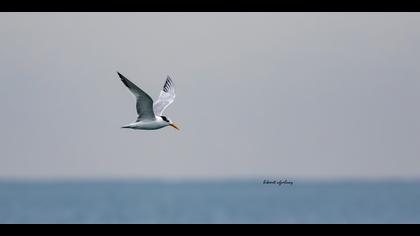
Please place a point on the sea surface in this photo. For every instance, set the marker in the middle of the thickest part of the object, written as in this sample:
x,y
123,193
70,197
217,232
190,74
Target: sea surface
x,y
209,202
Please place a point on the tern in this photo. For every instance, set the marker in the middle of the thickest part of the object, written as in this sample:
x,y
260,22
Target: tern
x,y
150,115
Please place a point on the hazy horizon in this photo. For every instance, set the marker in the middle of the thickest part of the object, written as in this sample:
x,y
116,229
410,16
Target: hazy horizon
x,y
259,95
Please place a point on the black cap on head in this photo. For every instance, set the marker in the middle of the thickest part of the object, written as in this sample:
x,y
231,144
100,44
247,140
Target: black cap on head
x,y
165,119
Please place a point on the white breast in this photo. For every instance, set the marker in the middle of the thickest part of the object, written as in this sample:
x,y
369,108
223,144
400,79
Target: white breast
x,y
150,124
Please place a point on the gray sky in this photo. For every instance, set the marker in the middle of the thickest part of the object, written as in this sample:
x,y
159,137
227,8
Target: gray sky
x,y
297,95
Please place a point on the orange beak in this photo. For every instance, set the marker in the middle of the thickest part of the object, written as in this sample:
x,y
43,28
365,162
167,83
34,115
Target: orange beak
x,y
176,127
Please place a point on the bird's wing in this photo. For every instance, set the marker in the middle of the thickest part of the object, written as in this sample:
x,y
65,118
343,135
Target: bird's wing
x,y
144,101
166,97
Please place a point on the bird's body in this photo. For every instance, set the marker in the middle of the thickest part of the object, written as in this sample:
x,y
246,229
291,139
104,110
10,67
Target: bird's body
x,y
150,114
152,124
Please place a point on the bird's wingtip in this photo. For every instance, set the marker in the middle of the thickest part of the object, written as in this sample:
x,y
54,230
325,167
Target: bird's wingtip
x,y
120,75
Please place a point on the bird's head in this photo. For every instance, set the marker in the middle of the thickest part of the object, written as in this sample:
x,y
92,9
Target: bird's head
x,y
169,122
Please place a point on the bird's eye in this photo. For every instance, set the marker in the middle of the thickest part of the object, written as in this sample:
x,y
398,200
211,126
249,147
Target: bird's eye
x,y
164,118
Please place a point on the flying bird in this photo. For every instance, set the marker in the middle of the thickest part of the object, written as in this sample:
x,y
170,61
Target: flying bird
x,y
150,115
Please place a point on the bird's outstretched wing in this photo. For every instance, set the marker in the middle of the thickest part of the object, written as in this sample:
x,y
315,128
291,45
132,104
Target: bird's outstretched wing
x,y
166,97
144,101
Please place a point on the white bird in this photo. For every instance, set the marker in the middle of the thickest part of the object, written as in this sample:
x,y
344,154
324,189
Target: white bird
x,y
150,114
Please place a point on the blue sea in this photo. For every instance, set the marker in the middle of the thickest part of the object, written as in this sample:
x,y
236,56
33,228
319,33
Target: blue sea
x,y
117,202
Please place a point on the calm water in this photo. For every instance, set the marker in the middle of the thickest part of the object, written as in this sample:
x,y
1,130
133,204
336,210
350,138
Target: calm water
x,y
209,202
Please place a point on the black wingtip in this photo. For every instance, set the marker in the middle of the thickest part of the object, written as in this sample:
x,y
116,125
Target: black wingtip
x,y
122,77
